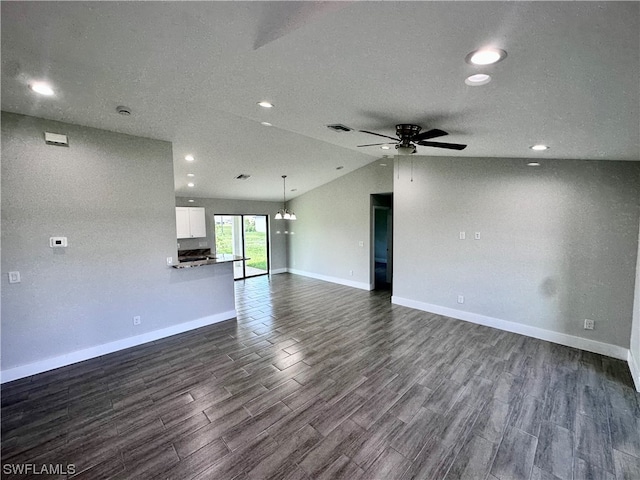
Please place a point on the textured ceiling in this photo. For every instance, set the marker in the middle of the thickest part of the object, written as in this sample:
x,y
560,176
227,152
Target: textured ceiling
x,y
192,73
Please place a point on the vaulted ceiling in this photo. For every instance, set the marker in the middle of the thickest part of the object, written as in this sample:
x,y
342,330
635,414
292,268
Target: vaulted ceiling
x,y
193,72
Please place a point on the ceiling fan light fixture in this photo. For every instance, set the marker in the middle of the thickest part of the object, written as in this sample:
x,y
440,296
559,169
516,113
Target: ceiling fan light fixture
x,y
478,79
406,149
486,56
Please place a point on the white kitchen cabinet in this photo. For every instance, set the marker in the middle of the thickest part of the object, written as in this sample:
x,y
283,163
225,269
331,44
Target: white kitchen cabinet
x,y
190,222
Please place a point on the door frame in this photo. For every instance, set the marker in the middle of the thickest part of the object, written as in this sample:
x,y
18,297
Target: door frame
x,y
382,201
244,246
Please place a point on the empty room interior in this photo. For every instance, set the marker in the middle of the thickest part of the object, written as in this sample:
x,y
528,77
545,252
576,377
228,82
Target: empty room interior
x,y
320,240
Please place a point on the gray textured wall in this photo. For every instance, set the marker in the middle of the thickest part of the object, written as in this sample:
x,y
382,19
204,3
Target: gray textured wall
x,y
112,196
225,206
558,243
332,219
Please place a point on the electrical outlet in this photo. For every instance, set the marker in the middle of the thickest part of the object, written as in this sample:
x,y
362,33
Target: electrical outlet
x,y
169,261
589,324
351,273
463,235
137,320
460,298
477,235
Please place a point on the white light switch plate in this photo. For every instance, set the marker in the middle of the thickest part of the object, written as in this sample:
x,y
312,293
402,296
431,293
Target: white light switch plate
x,y
14,277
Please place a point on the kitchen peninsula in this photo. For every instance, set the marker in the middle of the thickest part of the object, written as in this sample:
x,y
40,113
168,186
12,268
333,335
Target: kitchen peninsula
x,y
203,256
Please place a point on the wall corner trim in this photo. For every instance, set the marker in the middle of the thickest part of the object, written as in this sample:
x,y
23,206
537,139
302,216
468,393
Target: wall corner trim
x,y
326,278
106,348
634,366
607,349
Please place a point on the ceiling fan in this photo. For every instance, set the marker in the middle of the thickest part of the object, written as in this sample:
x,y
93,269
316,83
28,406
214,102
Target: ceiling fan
x,y
409,136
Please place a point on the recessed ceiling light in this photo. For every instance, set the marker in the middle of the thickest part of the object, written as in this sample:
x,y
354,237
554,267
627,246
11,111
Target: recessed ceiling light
x,y
190,184
539,148
533,164
485,56
383,164
43,88
189,158
266,124
478,79
385,147
191,201
191,175
265,104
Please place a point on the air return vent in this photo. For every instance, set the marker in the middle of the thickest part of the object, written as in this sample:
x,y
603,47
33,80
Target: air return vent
x,y
56,139
339,128
242,176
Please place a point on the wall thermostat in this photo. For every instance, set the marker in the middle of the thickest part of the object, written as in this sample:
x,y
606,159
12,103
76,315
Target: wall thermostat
x,y
58,242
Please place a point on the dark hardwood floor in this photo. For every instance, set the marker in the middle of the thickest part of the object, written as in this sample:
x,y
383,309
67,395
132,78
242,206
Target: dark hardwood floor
x,y
321,381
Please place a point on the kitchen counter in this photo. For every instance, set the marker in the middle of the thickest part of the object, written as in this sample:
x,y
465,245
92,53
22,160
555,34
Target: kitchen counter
x,y
211,260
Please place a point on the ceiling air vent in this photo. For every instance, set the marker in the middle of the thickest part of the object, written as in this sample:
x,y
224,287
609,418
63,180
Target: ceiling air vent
x,y
56,139
242,176
338,127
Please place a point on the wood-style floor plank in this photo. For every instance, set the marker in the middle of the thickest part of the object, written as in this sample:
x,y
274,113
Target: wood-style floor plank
x,y
320,381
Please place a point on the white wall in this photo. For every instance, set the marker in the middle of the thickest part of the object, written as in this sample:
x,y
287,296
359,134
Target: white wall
x,y
558,244
112,195
332,220
225,206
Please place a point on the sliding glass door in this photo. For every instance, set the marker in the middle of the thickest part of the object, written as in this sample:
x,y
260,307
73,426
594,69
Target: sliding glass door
x,y
247,236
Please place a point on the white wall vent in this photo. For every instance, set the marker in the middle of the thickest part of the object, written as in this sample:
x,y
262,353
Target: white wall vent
x,y
338,127
56,139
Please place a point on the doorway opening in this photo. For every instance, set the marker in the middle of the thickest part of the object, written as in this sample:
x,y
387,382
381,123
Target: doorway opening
x,y
246,236
382,235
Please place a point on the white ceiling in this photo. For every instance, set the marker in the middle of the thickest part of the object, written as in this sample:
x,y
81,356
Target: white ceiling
x,y
193,72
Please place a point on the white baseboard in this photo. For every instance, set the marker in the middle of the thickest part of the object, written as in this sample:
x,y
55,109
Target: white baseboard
x,y
340,281
106,348
594,346
634,366
276,271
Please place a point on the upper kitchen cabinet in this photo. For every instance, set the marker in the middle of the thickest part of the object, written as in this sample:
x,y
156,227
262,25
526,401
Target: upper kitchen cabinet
x,y
190,222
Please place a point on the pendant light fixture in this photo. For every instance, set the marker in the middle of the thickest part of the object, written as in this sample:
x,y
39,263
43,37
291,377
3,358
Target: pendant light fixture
x,y
283,213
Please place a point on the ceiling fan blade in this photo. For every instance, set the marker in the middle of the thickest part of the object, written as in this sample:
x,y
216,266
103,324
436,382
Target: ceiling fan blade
x,y
451,146
395,139
373,144
433,133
